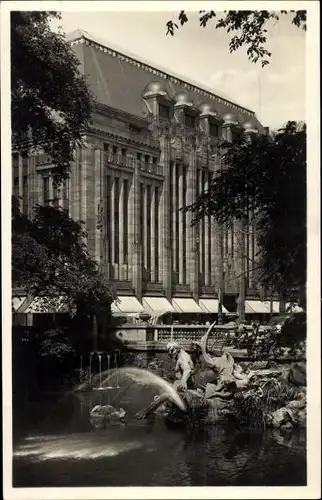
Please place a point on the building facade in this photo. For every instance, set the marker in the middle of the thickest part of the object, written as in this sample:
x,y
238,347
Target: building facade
x,y
151,150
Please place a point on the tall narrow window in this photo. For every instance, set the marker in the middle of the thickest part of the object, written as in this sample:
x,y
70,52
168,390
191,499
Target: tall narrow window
x,y
148,230
108,218
142,213
189,120
213,129
156,236
46,190
123,156
65,194
25,194
116,218
25,165
106,153
164,111
177,227
184,229
114,151
56,196
125,220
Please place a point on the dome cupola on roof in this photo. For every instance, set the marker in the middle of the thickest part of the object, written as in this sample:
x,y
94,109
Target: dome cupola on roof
x,y
207,109
183,99
230,119
155,88
249,127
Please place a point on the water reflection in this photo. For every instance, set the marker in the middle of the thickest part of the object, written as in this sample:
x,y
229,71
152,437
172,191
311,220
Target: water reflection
x,y
65,451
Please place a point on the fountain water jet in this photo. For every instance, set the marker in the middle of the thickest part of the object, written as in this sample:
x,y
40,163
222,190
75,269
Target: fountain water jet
x,y
147,378
116,368
90,367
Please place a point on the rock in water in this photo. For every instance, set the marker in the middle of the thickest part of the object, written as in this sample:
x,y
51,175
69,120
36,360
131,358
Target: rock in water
x,y
102,414
297,374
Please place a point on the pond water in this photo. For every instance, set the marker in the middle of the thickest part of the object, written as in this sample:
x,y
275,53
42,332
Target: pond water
x,y
55,446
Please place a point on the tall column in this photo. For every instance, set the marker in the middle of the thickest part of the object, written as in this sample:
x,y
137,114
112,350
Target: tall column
x,y
121,227
192,243
201,226
75,185
51,190
136,253
112,222
145,233
165,236
89,205
181,230
207,239
98,205
20,185
154,216
174,220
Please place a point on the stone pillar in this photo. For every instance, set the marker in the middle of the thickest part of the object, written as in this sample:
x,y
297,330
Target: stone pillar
x,y
207,239
153,243
112,222
136,253
89,203
145,233
201,233
75,185
98,206
181,230
192,243
51,190
174,215
121,228
20,185
165,236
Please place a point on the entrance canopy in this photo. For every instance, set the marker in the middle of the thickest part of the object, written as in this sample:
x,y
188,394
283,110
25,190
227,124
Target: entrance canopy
x,y
256,307
126,305
157,305
186,306
40,305
276,306
211,305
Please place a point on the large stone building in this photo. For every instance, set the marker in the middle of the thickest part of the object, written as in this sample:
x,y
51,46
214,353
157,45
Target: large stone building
x,y
151,149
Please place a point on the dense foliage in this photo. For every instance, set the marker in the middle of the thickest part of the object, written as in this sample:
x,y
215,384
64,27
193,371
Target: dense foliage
x,y
50,101
248,28
49,257
266,178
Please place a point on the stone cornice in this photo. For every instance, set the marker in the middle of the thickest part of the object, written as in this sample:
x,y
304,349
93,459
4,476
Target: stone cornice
x,y
166,76
117,113
117,138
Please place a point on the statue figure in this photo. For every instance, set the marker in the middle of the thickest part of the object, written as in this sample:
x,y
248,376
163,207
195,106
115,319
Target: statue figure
x,y
184,369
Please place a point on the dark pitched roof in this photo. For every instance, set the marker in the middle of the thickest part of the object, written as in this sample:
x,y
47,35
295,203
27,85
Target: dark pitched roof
x,y
118,80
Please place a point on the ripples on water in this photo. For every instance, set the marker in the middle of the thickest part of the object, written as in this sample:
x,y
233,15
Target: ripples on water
x,y
63,450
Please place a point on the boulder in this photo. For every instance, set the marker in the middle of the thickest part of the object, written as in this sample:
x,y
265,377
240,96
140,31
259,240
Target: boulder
x,y
100,415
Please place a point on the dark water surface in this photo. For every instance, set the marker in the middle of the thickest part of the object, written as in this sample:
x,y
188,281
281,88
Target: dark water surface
x,y
55,446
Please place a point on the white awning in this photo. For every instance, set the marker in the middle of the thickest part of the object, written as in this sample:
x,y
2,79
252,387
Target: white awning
x,y
255,307
127,305
293,308
16,302
211,305
276,306
47,305
157,305
186,306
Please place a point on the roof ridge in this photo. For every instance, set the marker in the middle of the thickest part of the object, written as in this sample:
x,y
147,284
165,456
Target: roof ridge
x,y
82,34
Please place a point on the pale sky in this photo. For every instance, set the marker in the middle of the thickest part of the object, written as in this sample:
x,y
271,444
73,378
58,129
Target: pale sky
x,y
276,92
